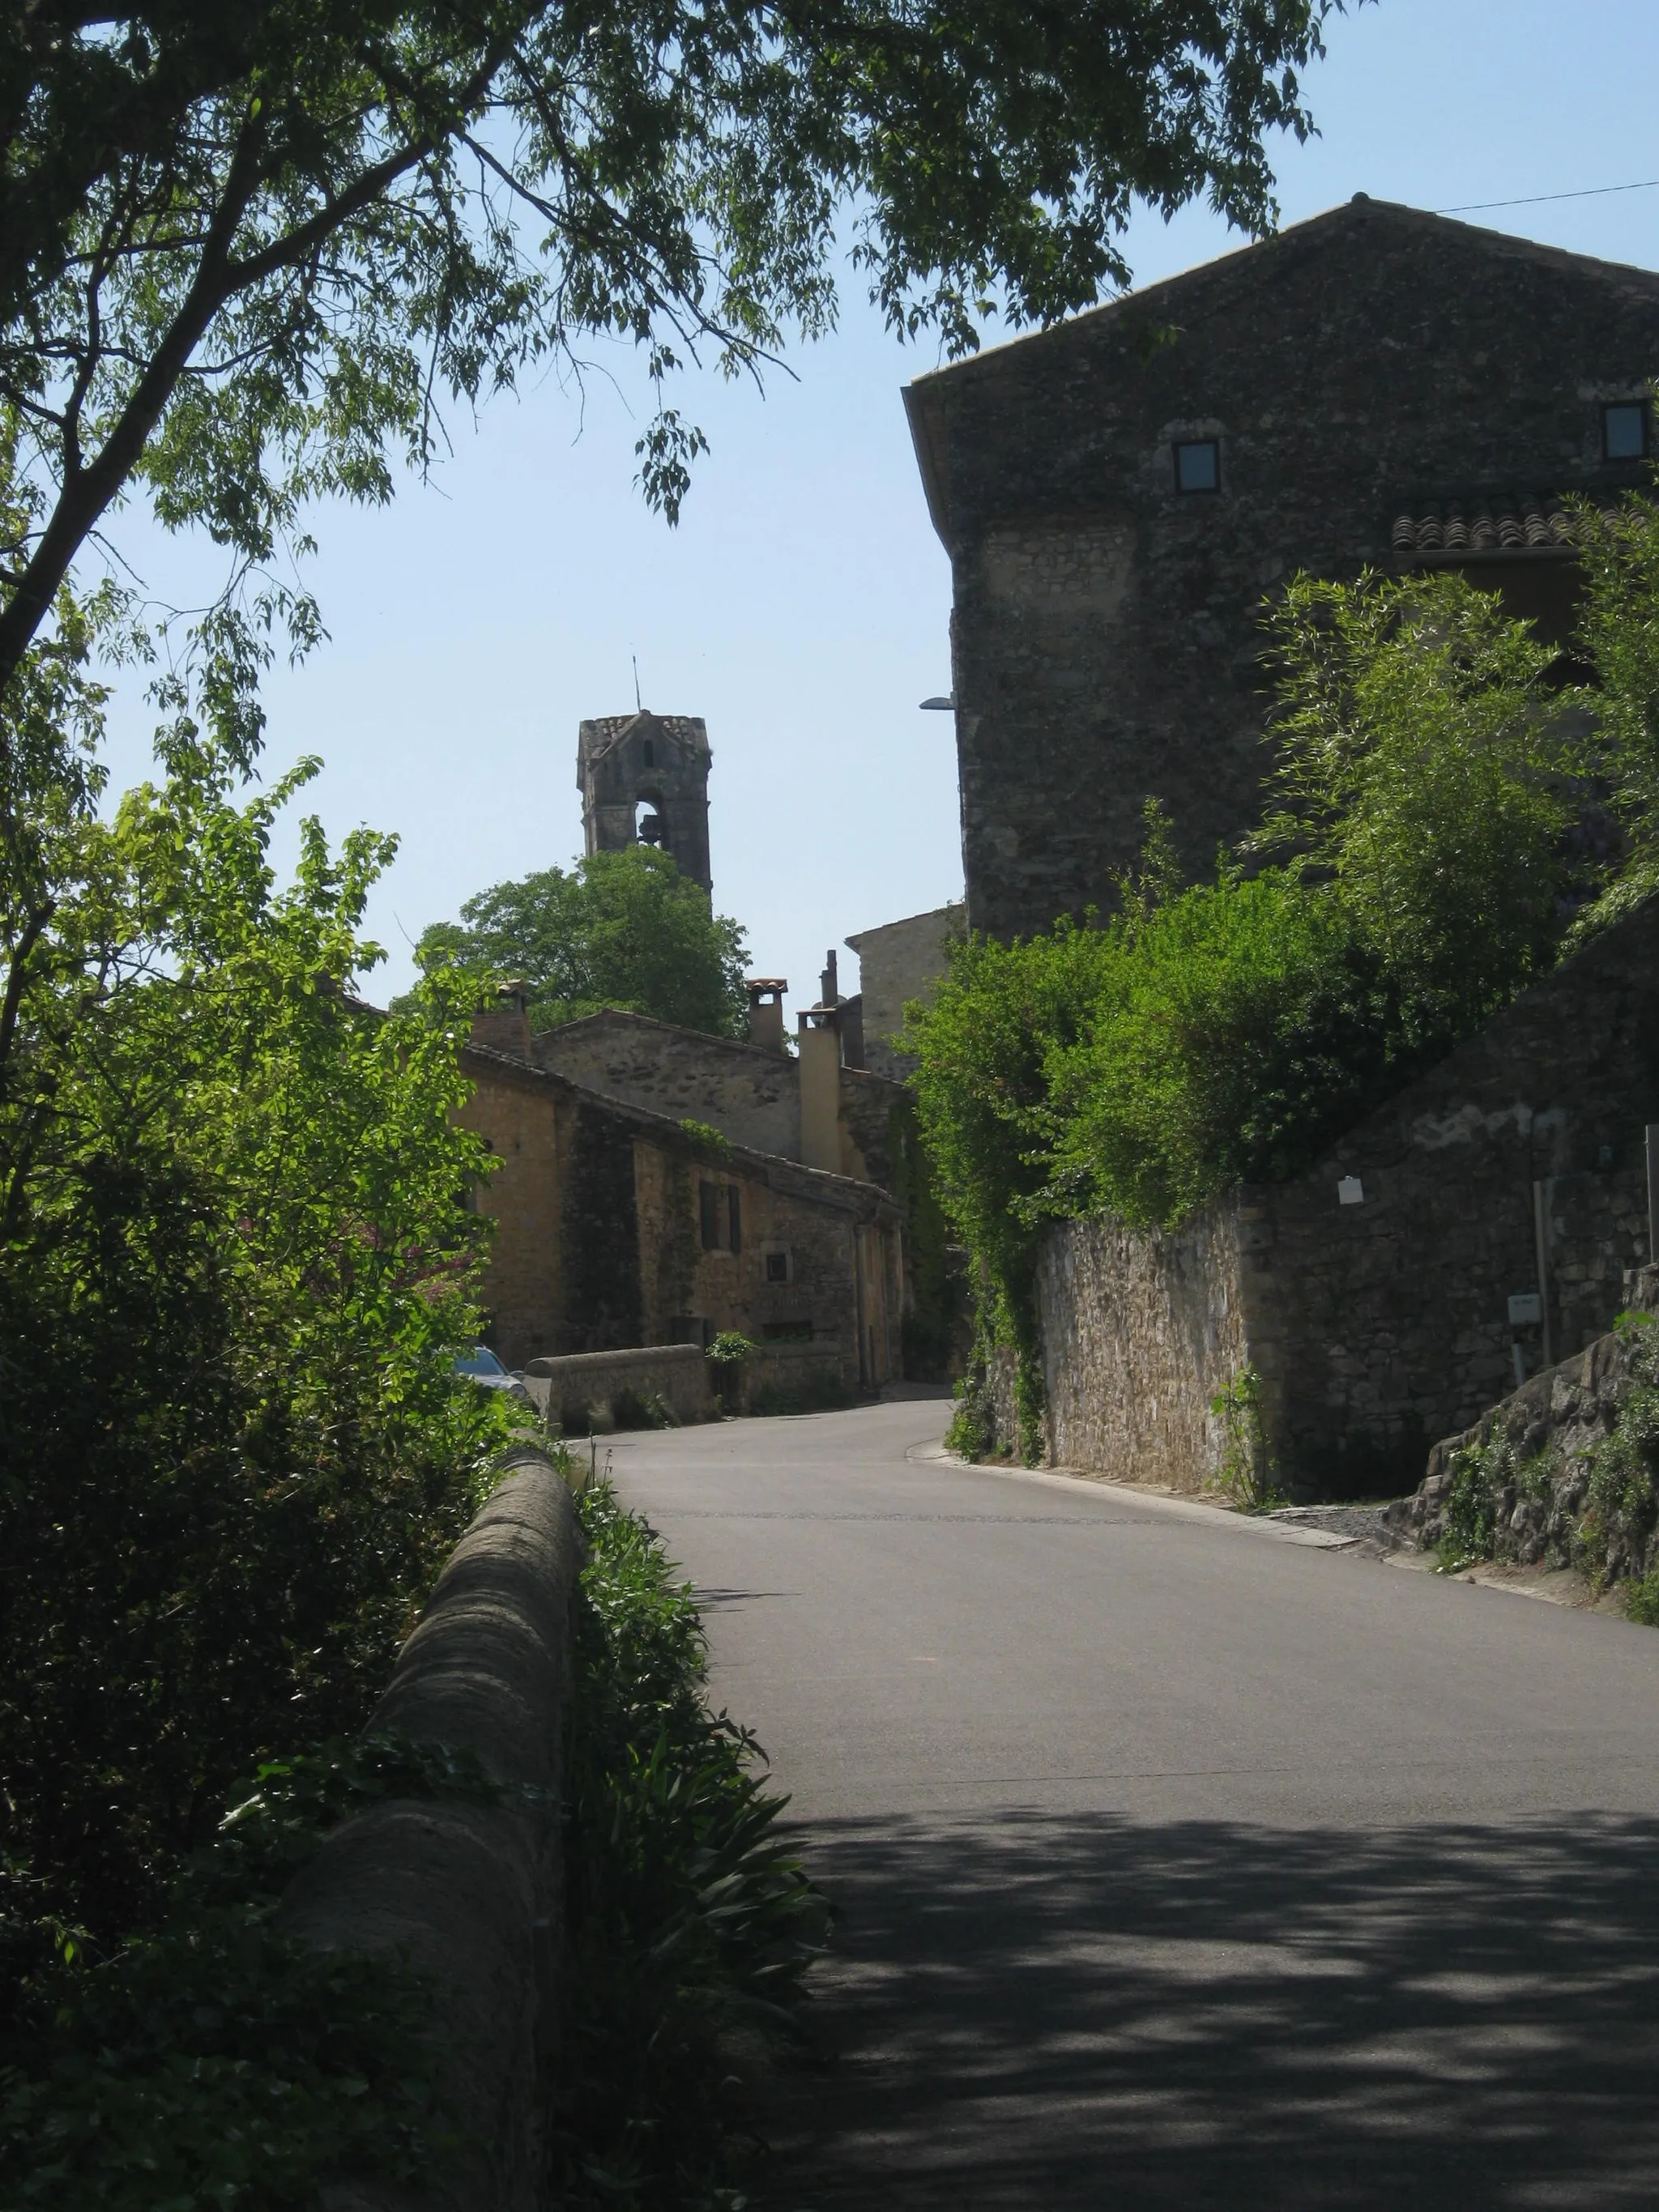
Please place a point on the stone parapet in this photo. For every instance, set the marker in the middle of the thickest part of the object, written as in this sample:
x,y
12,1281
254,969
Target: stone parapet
x,y
676,1374
468,1892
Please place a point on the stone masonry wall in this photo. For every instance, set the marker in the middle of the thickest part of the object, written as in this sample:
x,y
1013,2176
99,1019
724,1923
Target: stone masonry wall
x,y
1539,1446
1139,1335
1379,1325
744,1091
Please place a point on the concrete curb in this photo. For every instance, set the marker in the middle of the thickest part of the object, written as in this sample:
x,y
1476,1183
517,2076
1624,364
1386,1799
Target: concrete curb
x,y
1156,1502
469,1892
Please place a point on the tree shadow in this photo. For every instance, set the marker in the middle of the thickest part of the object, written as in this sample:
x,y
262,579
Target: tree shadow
x,y
1047,2010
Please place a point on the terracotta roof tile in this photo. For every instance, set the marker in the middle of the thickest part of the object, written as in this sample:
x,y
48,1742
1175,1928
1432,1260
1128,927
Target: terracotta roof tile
x,y
1519,523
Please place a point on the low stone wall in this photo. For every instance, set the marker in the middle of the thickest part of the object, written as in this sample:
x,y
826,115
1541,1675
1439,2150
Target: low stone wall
x,y
468,1892
1139,1332
677,1374
798,1374
1545,1433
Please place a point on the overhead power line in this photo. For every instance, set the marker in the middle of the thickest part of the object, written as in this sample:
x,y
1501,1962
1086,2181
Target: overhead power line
x,y
1537,199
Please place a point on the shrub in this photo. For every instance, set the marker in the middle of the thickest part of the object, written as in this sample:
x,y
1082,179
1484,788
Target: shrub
x,y
689,1920
1246,1474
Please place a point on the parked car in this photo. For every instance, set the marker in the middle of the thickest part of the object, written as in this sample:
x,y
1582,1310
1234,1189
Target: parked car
x,y
488,1372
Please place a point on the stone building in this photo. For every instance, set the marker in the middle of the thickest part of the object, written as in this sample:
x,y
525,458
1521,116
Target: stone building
x,y
1376,388
644,780
899,961
618,1227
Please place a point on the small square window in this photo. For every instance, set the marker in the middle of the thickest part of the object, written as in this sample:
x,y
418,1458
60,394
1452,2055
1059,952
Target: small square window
x,y
777,1266
1625,430
1198,464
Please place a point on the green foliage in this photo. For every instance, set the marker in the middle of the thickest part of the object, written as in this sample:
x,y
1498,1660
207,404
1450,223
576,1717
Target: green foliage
x,y
216,2066
620,929
688,1920
728,1355
213,2063
1642,1599
234,1269
246,254
730,1348
1619,624
973,1427
640,1409
1229,1031
1479,1473
1622,1501
713,1144
1246,1474
1426,773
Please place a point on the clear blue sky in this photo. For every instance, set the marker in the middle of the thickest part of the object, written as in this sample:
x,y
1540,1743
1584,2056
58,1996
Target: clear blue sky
x,y
802,605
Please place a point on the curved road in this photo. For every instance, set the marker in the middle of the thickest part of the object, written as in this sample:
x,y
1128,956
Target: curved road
x,y
1181,1864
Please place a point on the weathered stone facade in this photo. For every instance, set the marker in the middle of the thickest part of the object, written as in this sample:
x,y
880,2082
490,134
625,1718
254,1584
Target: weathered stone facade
x,y
615,1229
1374,369
1372,1292
898,961
658,763
750,1093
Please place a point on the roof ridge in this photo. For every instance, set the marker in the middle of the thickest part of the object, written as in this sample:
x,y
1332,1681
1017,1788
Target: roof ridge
x,y
1255,260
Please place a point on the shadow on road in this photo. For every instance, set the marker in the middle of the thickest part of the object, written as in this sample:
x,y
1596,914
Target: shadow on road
x,y
1048,2011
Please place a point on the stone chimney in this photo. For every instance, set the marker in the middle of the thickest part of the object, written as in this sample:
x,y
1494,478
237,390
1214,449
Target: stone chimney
x,y
505,1027
766,1011
819,1038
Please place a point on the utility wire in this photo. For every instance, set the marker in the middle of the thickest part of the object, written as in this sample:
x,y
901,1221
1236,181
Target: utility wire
x,y
1537,199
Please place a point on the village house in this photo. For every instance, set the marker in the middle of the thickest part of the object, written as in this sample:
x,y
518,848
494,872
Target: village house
x,y
1381,390
1377,388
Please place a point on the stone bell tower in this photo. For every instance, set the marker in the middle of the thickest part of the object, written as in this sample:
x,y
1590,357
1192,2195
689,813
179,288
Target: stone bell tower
x,y
644,780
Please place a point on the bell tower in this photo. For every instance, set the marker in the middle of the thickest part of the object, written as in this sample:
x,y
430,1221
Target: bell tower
x,y
644,780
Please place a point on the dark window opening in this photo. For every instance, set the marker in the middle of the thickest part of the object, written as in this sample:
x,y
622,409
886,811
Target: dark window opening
x,y
777,1266
734,1217
709,1212
1625,430
787,1331
648,753
1198,464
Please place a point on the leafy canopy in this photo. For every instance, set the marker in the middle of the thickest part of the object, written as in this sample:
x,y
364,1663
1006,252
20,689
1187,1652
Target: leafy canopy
x,y
619,929
248,253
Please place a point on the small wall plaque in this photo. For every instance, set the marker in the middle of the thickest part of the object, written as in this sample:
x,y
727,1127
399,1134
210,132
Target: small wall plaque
x,y
1350,1191
1526,1310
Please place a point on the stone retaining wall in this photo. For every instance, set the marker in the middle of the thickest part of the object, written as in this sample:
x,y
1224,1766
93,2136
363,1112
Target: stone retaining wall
x,y
468,1892
1546,1432
1164,1309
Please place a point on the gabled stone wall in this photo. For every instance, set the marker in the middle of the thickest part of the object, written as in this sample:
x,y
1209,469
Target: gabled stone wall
x,y
1107,639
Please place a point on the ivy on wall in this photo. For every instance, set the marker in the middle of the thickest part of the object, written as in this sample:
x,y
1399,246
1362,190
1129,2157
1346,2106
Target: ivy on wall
x,y
602,1235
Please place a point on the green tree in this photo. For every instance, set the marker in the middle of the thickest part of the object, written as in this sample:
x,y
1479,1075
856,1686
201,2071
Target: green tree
x,y
1427,771
245,252
235,1267
619,929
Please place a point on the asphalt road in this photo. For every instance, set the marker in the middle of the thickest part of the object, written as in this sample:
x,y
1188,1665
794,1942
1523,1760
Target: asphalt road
x,y
1179,1864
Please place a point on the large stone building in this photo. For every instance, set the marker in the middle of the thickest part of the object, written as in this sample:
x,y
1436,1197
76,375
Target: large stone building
x,y
1376,388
